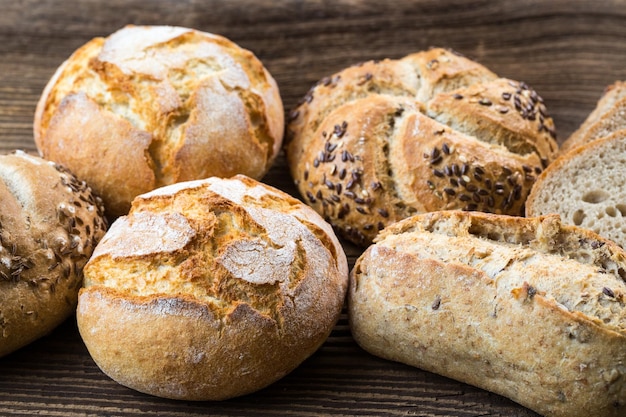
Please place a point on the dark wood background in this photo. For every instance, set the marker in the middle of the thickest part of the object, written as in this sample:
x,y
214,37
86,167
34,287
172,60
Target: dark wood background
x,y
568,50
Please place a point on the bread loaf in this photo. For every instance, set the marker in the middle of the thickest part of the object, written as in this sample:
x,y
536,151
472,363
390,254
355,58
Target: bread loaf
x,y
528,308
154,105
608,117
50,223
585,187
383,140
211,289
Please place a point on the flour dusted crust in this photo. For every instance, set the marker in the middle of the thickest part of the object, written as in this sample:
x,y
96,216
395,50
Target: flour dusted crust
x,y
528,308
149,106
211,289
383,140
50,222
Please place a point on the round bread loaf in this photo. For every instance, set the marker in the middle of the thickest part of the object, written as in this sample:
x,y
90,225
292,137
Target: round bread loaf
x,y
154,105
50,222
211,289
383,140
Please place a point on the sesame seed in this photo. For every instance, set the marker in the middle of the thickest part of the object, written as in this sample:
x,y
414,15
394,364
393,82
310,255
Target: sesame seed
x,y
506,96
449,191
484,101
445,148
383,212
438,173
457,96
342,173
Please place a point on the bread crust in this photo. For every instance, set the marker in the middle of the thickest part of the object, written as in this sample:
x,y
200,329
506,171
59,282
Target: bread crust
x,y
607,117
383,140
211,289
50,222
153,105
499,302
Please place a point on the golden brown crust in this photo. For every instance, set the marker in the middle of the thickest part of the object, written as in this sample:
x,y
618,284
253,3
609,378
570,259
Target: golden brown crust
x,y
383,140
525,307
160,105
231,283
50,223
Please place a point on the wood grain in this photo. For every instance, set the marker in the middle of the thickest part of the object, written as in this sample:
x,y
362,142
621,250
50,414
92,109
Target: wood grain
x,y
568,50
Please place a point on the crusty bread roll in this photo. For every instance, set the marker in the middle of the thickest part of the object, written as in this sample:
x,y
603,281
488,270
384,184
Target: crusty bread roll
x,y
50,222
154,105
585,186
608,116
527,308
211,289
383,140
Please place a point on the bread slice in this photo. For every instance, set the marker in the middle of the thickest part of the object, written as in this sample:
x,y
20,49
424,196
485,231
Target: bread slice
x,y
585,187
528,308
609,116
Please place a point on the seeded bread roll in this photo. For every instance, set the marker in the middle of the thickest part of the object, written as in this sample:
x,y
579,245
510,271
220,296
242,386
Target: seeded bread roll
x,y
154,105
49,225
528,308
383,140
211,289
585,186
608,117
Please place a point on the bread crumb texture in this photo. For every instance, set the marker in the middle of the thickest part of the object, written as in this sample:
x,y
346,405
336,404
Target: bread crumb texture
x,y
584,186
245,276
383,140
528,308
161,104
50,223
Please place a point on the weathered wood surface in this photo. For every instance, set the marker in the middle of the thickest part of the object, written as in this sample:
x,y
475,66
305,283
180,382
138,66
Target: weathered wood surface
x,y
568,50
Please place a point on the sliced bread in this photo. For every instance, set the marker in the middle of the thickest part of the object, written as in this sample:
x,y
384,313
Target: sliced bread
x,y
585,187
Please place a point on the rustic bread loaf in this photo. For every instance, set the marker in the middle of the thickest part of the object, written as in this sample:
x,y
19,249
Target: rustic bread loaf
x,y
585,186
154,105
50,223
383,140
211,289
608,116
528,308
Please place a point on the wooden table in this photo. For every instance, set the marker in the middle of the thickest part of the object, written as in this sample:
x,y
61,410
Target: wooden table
x,y
568,50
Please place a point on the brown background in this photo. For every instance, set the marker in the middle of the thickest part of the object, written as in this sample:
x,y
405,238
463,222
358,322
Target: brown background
x,y
568,50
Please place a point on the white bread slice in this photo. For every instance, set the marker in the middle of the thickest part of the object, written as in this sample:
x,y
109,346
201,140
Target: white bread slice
x,y
586,188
